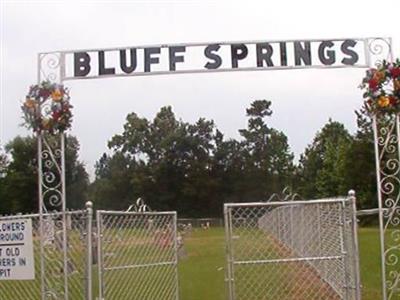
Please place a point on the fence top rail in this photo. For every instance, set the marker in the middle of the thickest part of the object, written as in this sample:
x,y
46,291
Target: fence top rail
x,y
284,203
124,213
199,219
374,211
37,215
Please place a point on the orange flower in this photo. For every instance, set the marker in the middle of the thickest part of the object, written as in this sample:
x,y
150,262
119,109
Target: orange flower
x,y
379,76
30,103
56,95
396,84
383,101
46,123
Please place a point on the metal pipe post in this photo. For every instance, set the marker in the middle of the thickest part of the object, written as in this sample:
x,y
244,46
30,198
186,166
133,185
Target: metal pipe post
x,y
100,253
41,227
64,216
344,248
352,198
228,245
89,247
175,222
380,205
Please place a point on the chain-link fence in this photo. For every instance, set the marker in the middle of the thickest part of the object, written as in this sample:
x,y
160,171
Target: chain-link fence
x,y
138,255
49,282
292,250
276,250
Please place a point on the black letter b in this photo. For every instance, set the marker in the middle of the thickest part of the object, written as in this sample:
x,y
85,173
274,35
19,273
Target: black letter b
x,y
81,64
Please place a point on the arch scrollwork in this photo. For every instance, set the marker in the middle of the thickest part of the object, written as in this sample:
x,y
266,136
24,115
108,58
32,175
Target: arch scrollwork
x,y
52,203
387,149
50,67
51,173
379,50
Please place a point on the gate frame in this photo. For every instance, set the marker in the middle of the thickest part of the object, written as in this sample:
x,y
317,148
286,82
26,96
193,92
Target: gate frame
x,y
351,199
100,262
85,217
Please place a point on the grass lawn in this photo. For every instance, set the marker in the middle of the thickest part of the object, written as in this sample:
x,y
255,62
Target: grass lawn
x,y
370,265
201,271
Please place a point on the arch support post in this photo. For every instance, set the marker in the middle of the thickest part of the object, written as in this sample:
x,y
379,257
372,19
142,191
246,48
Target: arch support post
x,y
387,155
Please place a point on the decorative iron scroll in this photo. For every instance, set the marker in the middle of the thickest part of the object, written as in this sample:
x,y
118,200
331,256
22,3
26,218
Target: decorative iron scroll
x,y
286,195
51,172
51,67
387,156
52,196
53,244
387,150
139,206
379,49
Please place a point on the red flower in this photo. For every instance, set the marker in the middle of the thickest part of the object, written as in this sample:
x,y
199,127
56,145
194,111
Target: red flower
x,y
44,93
373,84
395,72
56,115
392,100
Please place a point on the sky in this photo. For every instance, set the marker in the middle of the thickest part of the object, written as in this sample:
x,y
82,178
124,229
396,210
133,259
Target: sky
x,y
302,100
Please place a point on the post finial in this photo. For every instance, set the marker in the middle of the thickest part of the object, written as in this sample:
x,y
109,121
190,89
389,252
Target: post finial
x,y
352,193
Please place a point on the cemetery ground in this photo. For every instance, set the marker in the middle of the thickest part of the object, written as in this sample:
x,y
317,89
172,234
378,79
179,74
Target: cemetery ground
x,y
202,272
202,267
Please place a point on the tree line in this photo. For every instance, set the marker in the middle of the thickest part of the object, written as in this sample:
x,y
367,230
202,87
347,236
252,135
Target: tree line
x,y
194,168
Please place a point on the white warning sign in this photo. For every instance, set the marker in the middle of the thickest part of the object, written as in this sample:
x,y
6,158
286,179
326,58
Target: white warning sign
x,y
16,250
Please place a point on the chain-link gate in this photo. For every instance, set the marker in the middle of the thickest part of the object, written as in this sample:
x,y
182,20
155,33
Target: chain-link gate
x,y
49,273
137,254
297,250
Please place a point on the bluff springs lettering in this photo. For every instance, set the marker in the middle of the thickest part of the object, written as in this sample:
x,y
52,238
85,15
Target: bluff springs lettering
x,y
224,56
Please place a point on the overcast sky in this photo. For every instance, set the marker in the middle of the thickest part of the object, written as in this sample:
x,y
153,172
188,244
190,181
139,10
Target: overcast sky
x,y
303,100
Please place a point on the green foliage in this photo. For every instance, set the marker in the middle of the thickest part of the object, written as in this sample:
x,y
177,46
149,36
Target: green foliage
x,y
20,182
194,169
3,164
360,169
165,160
191,168
322,165
18,187
268,159
112,188
77,179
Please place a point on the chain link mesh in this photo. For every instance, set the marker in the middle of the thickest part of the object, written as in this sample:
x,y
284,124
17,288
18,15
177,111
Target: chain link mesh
x,y
139,256
53,259
291,250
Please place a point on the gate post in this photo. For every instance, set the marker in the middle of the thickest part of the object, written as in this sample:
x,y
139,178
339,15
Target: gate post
x,y
228,239
89,251
344,247
99,223
387,150
356,257
387,161
51,183
176,249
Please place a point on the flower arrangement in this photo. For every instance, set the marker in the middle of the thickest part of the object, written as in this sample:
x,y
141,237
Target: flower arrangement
x,y
47,108
382,88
